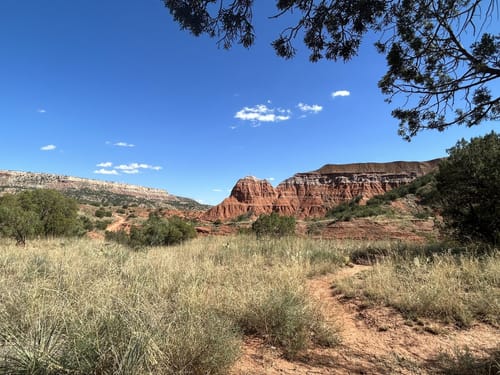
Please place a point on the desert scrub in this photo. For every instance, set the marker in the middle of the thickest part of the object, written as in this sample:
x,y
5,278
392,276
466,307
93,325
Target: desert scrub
x,y
89,307
453,288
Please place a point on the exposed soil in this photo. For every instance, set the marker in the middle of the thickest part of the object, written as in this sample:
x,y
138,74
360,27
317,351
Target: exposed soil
x,y
375,340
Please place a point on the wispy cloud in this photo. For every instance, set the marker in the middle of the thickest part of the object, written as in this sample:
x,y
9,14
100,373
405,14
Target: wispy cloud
x,y
123,144
41,110
217,190
310,108
48,148
134,168
108,167
340,93
270,178
106,171
262,113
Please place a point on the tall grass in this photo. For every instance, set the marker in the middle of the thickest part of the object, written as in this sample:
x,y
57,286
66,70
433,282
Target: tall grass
x,y
459,287
86,307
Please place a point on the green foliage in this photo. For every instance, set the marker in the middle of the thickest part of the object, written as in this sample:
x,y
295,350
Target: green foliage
x,y
423,187
274,225
438,53
352,209
45,213
101,212
102,224
469,186
155,232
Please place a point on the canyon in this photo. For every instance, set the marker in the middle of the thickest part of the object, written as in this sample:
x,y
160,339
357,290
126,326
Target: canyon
x,y
312,194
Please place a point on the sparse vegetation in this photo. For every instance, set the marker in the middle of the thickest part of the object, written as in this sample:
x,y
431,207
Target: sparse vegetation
x,y
458,285
352,209
424,188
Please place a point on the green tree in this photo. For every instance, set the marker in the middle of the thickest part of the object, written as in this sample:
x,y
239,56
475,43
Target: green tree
x,y
57,213
16,222
38,213
274,225
441,58
468,183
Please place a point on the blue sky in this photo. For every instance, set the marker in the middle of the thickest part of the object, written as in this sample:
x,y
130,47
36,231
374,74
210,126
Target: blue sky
x,y
114,90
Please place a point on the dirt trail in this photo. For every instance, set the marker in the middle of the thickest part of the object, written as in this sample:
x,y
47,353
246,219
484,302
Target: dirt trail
x,y
116,225
375,340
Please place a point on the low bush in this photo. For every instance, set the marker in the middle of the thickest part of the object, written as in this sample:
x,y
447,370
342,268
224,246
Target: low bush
x,y
155,232
274,225
352,209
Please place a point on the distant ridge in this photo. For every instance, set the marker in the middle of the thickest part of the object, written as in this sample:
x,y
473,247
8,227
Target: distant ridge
x,y
393,167
94,191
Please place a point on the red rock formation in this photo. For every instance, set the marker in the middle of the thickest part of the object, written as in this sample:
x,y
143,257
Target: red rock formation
x,y
312,194
249,196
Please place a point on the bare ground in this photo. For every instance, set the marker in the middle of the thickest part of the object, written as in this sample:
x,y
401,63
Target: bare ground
x,y
375,340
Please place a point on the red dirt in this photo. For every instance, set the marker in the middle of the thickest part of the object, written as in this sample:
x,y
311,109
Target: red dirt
x,y
375,340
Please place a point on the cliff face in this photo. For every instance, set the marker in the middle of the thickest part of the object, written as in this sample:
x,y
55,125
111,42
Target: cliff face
x,y
312,194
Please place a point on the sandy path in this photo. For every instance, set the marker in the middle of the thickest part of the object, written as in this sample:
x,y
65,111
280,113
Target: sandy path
x,y
117,224
374,340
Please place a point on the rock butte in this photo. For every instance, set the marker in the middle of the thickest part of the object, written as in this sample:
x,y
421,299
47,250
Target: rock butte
x,y
312,194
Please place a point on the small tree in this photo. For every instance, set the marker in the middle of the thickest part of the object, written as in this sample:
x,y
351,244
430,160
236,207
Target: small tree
x,y
469,186
38,213
16,222
274,225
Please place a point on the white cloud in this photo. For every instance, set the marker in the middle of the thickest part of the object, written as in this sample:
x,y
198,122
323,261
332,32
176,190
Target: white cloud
x,y
270,178
41,110
340,93
314,108
123,144
135,167
217,190
48,148
106,171
262,113
105,164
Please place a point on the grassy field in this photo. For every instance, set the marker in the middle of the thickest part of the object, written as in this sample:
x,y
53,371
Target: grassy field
x,y
80,306
90,307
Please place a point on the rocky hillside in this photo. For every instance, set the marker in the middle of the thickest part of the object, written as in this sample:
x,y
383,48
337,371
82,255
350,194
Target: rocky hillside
x,y
95,191
312,194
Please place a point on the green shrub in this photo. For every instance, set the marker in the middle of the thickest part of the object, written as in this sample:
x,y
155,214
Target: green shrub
x,y
274,225
156,232
352,209
102,224
101,212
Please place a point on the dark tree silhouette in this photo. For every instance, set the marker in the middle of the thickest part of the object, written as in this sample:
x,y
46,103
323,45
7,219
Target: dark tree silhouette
x,y
441,58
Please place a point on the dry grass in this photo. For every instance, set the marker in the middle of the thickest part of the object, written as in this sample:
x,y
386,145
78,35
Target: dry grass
x,y
87,307
453,288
